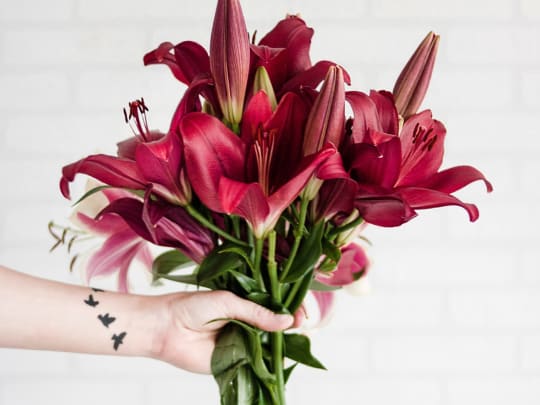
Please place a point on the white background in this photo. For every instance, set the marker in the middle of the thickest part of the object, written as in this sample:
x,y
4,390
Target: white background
x,y
454,313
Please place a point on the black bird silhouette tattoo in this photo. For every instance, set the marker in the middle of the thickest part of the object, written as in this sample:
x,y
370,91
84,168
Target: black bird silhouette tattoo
x,y
118,339
106,320
97,289
90,301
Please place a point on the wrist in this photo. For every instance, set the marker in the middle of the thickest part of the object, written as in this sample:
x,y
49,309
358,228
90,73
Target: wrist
x,y
148,317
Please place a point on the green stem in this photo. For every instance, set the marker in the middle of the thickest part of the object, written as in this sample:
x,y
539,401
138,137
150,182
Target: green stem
x,y
236,226
257,263
346,227
277,337
298,233
277,359
275,287
199,217
292,293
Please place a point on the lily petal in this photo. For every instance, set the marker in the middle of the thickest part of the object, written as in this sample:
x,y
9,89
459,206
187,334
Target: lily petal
x,y
387,211
311,77
161,163
365,115
422,198
292,34
258,111
212,151
189,59
455,178
110,170
352,265
118,250
247,201
422,148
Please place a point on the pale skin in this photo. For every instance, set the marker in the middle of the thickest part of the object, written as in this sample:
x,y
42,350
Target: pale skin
x,y
176,328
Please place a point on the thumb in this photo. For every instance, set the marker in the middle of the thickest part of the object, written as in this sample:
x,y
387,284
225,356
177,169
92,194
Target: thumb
x,y
256,315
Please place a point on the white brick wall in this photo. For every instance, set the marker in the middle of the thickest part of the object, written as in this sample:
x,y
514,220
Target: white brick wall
x,y
454,315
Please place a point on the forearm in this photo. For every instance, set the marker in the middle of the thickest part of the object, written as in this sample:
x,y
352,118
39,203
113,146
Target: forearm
x,y
46,315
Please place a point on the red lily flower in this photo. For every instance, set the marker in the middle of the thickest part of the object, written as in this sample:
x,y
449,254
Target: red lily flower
x,y
398,173
122,245
234,175
149,158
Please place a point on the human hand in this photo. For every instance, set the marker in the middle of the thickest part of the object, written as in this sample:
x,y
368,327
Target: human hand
x,y
185,337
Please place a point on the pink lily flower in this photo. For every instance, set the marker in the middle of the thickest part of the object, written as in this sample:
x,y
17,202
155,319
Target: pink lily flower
x,y
353,266
235,175
122,245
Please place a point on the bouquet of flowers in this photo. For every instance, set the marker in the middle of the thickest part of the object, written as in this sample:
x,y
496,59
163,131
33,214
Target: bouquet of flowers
x,y
262,182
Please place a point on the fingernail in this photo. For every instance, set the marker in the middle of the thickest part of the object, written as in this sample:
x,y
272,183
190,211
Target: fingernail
x,y
286,318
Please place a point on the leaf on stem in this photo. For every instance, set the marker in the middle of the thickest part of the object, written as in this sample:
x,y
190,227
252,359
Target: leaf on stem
x,y
309,253
165,263
298,348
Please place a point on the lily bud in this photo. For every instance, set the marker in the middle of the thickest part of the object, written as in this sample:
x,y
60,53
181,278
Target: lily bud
x,y
262,82
413,81
229,59
326,120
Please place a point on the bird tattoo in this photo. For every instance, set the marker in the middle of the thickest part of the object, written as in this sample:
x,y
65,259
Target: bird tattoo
x,y
106,320
90,301
118,339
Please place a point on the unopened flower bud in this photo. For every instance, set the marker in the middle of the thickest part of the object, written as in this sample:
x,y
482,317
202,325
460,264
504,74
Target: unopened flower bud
x,y
326,120
413,81
229,59
262,82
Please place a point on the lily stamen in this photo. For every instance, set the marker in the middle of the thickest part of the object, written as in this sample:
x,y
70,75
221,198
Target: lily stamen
x,y
264,149
137,115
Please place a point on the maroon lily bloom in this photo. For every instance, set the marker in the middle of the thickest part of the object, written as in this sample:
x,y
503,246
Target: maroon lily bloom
x,y
234,175
150,158
164,225
397,174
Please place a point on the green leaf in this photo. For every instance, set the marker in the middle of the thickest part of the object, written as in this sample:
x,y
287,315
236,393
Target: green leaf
x,y
89,193
238,366
246,282
288,371
327,266
305,283
242,252
331,251
298,348
218,262
318,286
230,353
169,261
256,352
260,298
309,253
